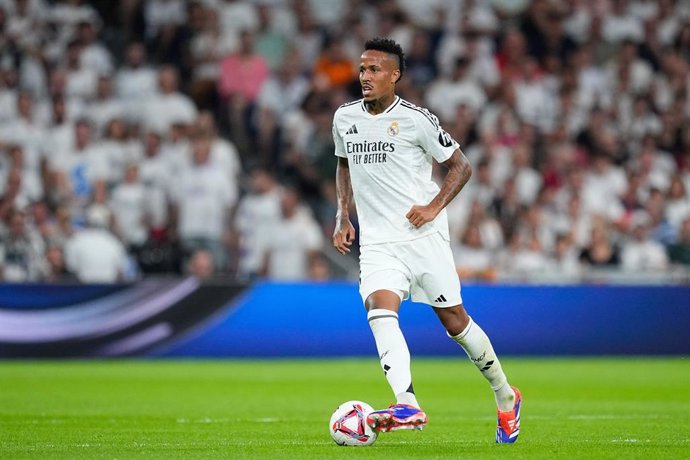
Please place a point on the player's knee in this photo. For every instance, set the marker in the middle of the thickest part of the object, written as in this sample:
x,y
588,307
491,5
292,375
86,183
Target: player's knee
x,y
454,319
384,299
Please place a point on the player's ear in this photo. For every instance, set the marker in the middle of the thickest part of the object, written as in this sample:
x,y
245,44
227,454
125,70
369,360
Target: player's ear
x,y
395,76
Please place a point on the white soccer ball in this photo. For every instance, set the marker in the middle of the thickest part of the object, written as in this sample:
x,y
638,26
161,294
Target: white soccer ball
x,y
348,425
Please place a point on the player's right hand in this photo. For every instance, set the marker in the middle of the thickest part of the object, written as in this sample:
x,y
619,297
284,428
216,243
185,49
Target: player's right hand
x,y
343,235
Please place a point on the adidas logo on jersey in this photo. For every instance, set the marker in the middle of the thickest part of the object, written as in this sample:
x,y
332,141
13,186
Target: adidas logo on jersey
x,y
352,130
440,298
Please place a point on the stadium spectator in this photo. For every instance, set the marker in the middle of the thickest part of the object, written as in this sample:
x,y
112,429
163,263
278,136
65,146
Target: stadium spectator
x,y
573,223
59,133
492,235
94,55
308,38
640,252
287,252
201,264
281,94
80,81
534,100
506,206
600,252
660,228
528,181
512,53
23,138
56,269
207,48
41,219
94,254
271,40
168,106
119,150
564,261
524,255
333,67
242,74
26,163
679,252
21,250
169,39
224,154
66,15
203,198
129,203
621,24
535,227
446,95
319,270
176,148
473,259
422,67
258,212
104,107
237,16
135,80
79,170
676,206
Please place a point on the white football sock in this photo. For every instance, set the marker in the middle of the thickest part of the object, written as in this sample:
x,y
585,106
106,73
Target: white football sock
x,y
478,347
393,353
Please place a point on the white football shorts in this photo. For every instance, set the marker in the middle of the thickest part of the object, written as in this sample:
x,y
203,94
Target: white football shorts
x,y
422,268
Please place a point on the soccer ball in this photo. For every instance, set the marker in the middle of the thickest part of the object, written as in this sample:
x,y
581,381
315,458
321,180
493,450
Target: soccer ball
x,y
348,425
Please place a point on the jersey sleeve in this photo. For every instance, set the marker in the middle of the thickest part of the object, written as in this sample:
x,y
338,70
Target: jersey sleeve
x,y
433,139
338,141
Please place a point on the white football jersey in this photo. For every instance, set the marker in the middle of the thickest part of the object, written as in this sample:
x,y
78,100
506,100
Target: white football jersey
x,y
390,156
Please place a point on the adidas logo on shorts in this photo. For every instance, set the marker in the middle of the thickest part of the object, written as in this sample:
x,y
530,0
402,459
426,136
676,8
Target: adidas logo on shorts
x,y
440,298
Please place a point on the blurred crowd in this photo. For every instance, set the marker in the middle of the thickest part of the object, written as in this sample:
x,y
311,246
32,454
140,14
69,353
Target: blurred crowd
x,y
146,137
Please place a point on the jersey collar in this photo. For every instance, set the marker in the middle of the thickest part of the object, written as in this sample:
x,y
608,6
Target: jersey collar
x,y
396,101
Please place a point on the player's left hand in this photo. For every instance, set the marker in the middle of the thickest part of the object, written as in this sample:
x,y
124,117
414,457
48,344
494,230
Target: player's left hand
x,y
420,215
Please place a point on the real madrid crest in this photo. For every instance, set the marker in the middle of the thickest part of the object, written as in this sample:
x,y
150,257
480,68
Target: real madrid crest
x,y
393,129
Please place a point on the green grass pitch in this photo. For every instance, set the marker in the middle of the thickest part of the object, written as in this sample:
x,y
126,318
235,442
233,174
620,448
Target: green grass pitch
x,y
573,408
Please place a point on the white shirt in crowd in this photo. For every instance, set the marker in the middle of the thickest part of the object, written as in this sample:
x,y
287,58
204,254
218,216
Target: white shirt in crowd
x,y
204,196
97,58
280,97
288,245
645,255
95,255
129,205
163,110
156,174
101,111
81,83
616,28
136,84
82,168
238,16
472,258
256,215
225,156
159,13
445,96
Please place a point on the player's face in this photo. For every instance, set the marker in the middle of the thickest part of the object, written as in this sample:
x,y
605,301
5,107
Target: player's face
x,y
378,73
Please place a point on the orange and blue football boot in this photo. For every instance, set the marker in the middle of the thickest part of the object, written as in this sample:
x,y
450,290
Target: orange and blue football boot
x,y
397,417
508,427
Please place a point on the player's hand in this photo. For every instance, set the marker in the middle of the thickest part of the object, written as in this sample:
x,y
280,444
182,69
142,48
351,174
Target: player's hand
x,y
420,215
343,235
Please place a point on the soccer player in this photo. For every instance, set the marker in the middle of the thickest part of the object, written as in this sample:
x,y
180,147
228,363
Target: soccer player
x,y
385,148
